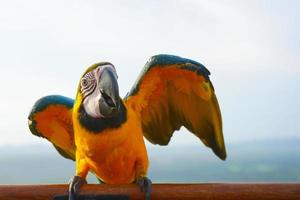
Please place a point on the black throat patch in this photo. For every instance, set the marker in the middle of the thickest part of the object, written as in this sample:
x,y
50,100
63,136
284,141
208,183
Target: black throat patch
x,y
97,125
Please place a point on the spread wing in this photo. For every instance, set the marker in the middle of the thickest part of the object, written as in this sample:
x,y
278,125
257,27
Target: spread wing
x,y
172,92
51,118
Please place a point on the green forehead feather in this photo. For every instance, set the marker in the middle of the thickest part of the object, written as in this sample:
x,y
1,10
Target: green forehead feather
x,y
94,66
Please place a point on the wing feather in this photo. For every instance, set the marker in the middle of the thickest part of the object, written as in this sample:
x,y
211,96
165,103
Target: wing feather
x,y
51,118
172,92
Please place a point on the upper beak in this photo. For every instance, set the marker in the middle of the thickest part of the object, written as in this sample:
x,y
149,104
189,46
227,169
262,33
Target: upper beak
x,y
109,103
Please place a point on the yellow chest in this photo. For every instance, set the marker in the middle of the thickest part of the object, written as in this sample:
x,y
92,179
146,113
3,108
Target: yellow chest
x,y
112,153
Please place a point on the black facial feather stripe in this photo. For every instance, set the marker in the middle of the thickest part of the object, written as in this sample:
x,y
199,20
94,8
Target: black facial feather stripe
x,y
89,75
89,90
88,84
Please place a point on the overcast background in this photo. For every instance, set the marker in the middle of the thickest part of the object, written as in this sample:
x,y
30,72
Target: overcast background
x,y
252,49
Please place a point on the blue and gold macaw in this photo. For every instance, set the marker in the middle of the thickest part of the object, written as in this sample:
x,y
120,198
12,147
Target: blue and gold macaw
x,y
104,133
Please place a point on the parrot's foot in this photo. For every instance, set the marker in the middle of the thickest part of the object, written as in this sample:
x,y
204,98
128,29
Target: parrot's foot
x,y
75,183
145,185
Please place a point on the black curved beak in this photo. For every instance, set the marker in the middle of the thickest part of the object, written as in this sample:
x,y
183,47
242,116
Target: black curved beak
x,y
109,103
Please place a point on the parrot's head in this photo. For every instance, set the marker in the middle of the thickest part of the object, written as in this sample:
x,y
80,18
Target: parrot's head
x,y
98,91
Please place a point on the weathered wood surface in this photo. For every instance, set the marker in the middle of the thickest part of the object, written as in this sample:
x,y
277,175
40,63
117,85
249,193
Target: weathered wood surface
x,y
161,191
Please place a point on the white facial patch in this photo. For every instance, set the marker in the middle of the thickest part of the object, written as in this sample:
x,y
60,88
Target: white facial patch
x,y
91,92
91,104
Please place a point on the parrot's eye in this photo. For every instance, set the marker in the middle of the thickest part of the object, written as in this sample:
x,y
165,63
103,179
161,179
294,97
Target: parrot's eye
x,y
84,82
88,84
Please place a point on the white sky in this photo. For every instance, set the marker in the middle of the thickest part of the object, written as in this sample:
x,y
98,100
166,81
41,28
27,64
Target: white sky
x,y
252,49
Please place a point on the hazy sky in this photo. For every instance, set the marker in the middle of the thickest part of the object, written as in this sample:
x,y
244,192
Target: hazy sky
x,y
252,49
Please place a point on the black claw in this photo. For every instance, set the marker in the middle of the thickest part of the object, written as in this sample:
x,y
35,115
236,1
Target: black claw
x,y
75,183
145,185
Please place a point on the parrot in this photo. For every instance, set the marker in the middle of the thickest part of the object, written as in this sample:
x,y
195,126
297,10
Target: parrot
x,y
104,133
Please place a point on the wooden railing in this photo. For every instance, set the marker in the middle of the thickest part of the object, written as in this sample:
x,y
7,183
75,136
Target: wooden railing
x,y
160,192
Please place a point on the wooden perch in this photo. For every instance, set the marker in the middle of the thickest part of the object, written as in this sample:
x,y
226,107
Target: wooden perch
x,y
160,192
